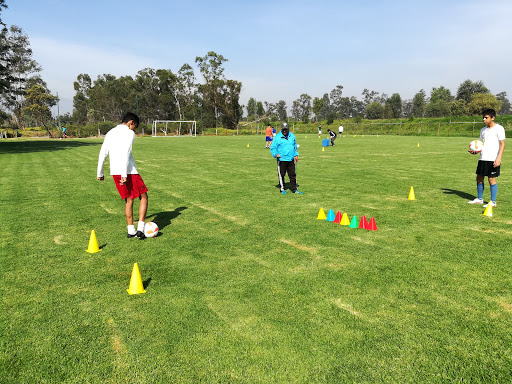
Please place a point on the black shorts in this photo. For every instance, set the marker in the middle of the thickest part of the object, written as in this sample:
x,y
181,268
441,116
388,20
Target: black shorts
x,y
486,168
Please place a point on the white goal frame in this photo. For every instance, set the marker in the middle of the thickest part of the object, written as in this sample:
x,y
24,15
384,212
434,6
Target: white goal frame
x,y
190,133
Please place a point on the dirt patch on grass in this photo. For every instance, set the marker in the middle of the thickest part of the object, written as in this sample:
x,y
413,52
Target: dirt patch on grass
x,y
346,307
298,246
58,240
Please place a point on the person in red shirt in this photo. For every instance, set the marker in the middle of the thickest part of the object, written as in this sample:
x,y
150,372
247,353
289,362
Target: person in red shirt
x,y
268,136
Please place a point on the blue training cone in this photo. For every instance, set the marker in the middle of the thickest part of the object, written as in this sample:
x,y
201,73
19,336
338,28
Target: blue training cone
x,y
330,215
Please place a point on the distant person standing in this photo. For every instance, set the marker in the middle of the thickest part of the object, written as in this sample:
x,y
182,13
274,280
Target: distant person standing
x,y
64,132
493,136
274,132
284,149
268,136
118,146
332,135
319,130
340,130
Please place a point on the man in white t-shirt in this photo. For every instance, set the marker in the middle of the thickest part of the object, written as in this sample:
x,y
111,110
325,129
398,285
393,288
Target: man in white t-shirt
x,y
493,137
340,130
118,146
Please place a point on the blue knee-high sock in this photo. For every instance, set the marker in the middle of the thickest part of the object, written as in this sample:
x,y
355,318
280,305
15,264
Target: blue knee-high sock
x,y
494,192
480,190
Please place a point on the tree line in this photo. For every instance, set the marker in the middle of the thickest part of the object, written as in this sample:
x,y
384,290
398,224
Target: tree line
x,y
470,99
25,99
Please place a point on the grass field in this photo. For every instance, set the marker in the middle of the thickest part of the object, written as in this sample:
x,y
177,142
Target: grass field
x,y
245,285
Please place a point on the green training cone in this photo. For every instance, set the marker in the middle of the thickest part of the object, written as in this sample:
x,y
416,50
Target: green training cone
x,y
353,223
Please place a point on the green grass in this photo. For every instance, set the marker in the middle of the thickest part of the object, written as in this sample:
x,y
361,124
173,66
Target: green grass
x,y
245,285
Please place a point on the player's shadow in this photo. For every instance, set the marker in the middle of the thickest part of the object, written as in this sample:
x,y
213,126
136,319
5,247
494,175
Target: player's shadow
x,y
463,195
163,219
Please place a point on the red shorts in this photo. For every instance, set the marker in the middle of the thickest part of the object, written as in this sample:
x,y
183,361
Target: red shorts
x,y
134,186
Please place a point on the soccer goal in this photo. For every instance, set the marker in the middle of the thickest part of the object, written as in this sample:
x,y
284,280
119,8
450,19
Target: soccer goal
x,y
172,128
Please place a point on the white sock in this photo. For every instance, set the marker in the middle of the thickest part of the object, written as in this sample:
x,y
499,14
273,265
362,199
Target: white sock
x,y
140,226
131,229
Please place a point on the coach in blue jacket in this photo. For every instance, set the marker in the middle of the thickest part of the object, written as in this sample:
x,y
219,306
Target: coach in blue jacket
x,y
284,149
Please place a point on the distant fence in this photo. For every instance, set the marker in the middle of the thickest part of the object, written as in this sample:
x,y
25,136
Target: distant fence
x,y
404,128
401,128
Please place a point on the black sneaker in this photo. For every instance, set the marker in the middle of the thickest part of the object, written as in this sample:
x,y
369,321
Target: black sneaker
x,y
139,234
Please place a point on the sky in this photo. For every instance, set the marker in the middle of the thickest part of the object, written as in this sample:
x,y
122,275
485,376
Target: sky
x,y
277,49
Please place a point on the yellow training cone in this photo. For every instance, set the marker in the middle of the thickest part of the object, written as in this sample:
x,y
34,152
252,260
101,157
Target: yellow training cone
x,y
323,149
488,210
418,145
411,194
93,244
136,286
345,220
321,215
247,145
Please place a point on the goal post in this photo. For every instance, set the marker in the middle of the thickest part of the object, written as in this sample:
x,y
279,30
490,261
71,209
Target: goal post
x,y
174,128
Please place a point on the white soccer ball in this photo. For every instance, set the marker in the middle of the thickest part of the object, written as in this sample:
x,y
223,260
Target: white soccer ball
x,y
476,146
150,229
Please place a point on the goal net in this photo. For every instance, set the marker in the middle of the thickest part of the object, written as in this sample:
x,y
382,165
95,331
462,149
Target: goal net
x,y
172,128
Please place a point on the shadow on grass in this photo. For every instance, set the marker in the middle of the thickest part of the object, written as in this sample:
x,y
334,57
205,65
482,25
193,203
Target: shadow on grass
x,y
463,195
41,145
146,283
163,219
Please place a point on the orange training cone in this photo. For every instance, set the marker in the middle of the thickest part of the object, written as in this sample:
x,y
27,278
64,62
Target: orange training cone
x,y
411,194
363,223
93,243
372,226
488,210
344,220
321,214
136,286
337,219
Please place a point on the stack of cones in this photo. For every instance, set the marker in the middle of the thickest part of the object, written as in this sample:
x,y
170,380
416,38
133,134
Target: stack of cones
x,y
342,219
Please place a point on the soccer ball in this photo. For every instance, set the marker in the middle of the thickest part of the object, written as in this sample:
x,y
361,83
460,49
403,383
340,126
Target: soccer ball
x,y
150,229
476,146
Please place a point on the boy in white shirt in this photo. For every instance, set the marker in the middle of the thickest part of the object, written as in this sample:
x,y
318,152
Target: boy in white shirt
x,y
118,145
493,136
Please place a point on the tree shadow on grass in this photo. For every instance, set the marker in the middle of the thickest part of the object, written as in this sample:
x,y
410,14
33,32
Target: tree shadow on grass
x,y
463,195
42,145
163,219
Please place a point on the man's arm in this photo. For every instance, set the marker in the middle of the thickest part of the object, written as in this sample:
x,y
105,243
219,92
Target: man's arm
x,y
101,160
497,162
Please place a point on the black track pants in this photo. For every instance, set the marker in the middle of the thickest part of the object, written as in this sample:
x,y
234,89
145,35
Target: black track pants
x,y
284,167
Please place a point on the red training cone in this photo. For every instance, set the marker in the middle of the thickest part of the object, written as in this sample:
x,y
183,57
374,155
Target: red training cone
x,y
337,219
372,226
363,223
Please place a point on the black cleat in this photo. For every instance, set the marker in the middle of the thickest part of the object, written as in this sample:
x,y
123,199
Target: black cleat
x,y
139,234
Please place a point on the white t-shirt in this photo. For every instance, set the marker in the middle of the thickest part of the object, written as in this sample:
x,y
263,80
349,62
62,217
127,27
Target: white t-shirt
x,y
491,138
340,129
118,145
